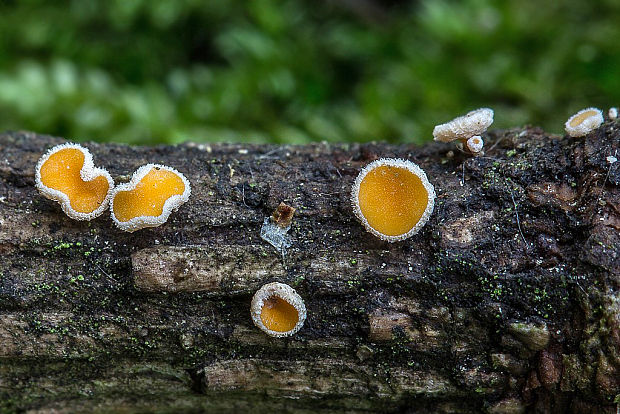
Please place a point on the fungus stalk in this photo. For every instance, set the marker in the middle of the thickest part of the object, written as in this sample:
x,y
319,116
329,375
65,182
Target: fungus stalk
x,y
148,199
66,174
278,310
392,198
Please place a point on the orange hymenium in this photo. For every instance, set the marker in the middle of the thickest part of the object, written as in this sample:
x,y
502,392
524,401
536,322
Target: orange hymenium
x,y
278,310
66,174
392,198
279,315
584,122
153,193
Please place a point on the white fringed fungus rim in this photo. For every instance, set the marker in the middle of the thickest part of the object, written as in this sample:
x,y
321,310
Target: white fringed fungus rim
x,y
475,144
398,163
587,124
88,172
284,292
170,205
464,127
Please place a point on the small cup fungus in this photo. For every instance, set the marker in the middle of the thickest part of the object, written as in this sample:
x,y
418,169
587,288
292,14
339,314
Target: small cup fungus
x,y
613,113
584,122
278,310
464,127
66,173
475,144
148,199
392,198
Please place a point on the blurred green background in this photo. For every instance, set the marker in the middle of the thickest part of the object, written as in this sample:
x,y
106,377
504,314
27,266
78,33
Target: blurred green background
x,y
167,71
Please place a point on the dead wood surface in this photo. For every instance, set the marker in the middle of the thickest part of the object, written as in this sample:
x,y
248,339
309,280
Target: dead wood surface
x,y
507,301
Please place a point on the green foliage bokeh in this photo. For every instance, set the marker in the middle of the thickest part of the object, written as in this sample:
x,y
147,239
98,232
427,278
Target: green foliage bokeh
x,y
167,71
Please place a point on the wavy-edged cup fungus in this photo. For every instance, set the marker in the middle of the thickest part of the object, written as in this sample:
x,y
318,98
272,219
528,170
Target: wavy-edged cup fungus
x,y
148,199
67,174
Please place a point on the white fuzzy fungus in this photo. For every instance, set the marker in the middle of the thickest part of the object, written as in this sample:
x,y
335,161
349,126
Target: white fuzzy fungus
x,y
584,122
475,144
464,127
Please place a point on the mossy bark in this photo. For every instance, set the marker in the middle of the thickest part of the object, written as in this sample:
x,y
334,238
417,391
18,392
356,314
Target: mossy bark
x,y
507,301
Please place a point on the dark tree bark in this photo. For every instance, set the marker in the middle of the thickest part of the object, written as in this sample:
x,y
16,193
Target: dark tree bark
x,y
507,301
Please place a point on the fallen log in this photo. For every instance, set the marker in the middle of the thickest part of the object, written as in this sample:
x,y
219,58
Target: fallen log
x,y
507,301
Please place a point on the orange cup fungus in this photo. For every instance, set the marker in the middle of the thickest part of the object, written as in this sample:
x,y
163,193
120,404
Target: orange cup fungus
x,y
148,199
66,173
278,310
392,198
584,122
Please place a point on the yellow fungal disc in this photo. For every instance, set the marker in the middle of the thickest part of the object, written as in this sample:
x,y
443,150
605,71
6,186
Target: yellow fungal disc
x,y
66,174
578,119
148,199
149,196
583,122
393,199
61,172
278,310
279,315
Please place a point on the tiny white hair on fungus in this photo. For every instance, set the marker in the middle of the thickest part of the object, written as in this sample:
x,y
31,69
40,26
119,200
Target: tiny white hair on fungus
x,y
475,144
464,127
284,292
88,172
170,205
589,119
398,163
613,113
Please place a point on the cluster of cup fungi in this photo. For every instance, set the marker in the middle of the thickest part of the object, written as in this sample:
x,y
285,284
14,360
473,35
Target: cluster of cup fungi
x,y
392,198
67,174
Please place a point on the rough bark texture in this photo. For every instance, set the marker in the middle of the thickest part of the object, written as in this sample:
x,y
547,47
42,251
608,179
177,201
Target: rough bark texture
x,y
507,301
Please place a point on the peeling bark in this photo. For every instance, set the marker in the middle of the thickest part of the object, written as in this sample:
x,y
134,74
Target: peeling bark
x,y
507,301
